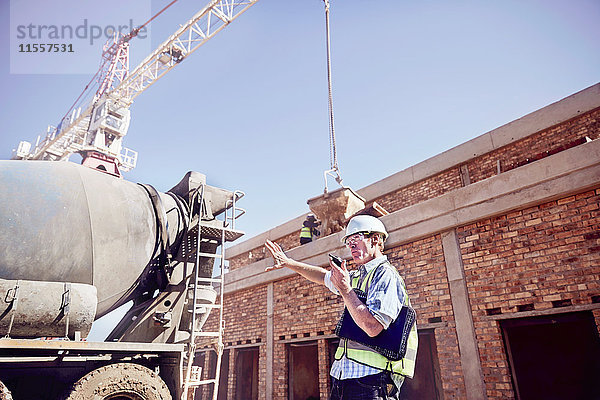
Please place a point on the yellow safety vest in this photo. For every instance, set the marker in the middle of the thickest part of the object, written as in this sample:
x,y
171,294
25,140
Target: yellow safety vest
x,y
305,232
364,355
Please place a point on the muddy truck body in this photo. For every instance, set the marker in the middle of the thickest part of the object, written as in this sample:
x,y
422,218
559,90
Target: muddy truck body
x,y
77,243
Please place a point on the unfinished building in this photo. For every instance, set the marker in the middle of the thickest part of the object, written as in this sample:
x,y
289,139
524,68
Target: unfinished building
x,y
498,240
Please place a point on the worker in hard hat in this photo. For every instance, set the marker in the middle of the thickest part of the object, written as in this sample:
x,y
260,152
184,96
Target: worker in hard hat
x,y
309,231
358,371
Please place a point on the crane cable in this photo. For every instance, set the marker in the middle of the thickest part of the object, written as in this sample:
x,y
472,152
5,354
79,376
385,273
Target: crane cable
x,y
156,15
334,171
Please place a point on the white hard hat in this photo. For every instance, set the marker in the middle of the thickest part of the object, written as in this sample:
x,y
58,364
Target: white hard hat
x,y
366,224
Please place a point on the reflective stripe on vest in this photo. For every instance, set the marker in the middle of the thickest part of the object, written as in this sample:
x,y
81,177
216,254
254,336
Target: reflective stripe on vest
x,y
305,232
367,356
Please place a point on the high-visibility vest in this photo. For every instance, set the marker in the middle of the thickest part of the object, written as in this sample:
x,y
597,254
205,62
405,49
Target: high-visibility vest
x,y
305,232
364,355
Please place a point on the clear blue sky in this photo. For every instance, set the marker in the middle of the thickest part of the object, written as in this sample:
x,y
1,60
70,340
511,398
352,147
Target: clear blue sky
x,y
249,109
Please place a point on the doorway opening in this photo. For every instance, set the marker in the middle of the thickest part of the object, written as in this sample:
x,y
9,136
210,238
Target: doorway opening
x,y
427,383
554,357
246,374
303,371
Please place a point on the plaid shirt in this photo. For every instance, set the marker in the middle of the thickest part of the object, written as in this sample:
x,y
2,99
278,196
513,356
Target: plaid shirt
x,y
383,303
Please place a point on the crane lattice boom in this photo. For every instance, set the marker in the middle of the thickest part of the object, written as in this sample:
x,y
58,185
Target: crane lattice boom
x,y
203,26
58,145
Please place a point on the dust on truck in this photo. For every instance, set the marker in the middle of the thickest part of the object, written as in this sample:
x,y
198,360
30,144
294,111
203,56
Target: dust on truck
x,y
77,243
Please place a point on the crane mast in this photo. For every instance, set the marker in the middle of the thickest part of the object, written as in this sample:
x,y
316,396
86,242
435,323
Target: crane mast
x,y
114,65
101,126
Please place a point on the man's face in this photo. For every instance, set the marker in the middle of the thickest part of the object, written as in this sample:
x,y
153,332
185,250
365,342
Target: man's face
x,y
361,247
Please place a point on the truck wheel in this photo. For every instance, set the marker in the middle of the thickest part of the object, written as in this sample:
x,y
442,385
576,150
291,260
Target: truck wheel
x,y
4,392
122,381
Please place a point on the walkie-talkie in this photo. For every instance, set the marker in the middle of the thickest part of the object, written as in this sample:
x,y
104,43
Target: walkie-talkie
x,y
336,260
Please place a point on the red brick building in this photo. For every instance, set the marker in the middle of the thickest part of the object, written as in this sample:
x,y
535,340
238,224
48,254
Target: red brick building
x,y
498,240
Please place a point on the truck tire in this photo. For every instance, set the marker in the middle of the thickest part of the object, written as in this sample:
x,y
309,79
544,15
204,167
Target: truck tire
x,y
4,392
121,381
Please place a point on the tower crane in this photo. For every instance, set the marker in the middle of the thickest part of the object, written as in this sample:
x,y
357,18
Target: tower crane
x,y
97,131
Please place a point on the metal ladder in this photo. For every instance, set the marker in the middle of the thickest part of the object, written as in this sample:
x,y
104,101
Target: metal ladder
x,y
221,231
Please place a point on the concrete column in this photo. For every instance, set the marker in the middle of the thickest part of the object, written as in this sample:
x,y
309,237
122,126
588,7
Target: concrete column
x,y
465,330
232,376
323,358
270,344
465,178
205,389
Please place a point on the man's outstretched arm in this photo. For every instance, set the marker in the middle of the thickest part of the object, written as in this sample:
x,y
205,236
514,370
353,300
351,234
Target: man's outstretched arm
x,y
341,280
311,272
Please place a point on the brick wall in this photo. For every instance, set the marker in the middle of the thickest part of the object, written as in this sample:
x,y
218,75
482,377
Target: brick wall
x,y
245,318
538,258
534,146
422,265
301,310
287,242
429,188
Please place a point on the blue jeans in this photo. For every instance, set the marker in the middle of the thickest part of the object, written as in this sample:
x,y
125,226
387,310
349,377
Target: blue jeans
x,y
370,387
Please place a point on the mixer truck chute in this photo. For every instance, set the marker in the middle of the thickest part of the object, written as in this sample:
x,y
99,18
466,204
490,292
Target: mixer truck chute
x,y
75,244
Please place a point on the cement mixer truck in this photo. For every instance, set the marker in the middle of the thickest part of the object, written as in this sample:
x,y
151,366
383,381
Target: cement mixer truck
x,y
75,244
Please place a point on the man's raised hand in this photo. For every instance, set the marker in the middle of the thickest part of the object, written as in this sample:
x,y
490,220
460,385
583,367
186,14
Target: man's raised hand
x,y
279,257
